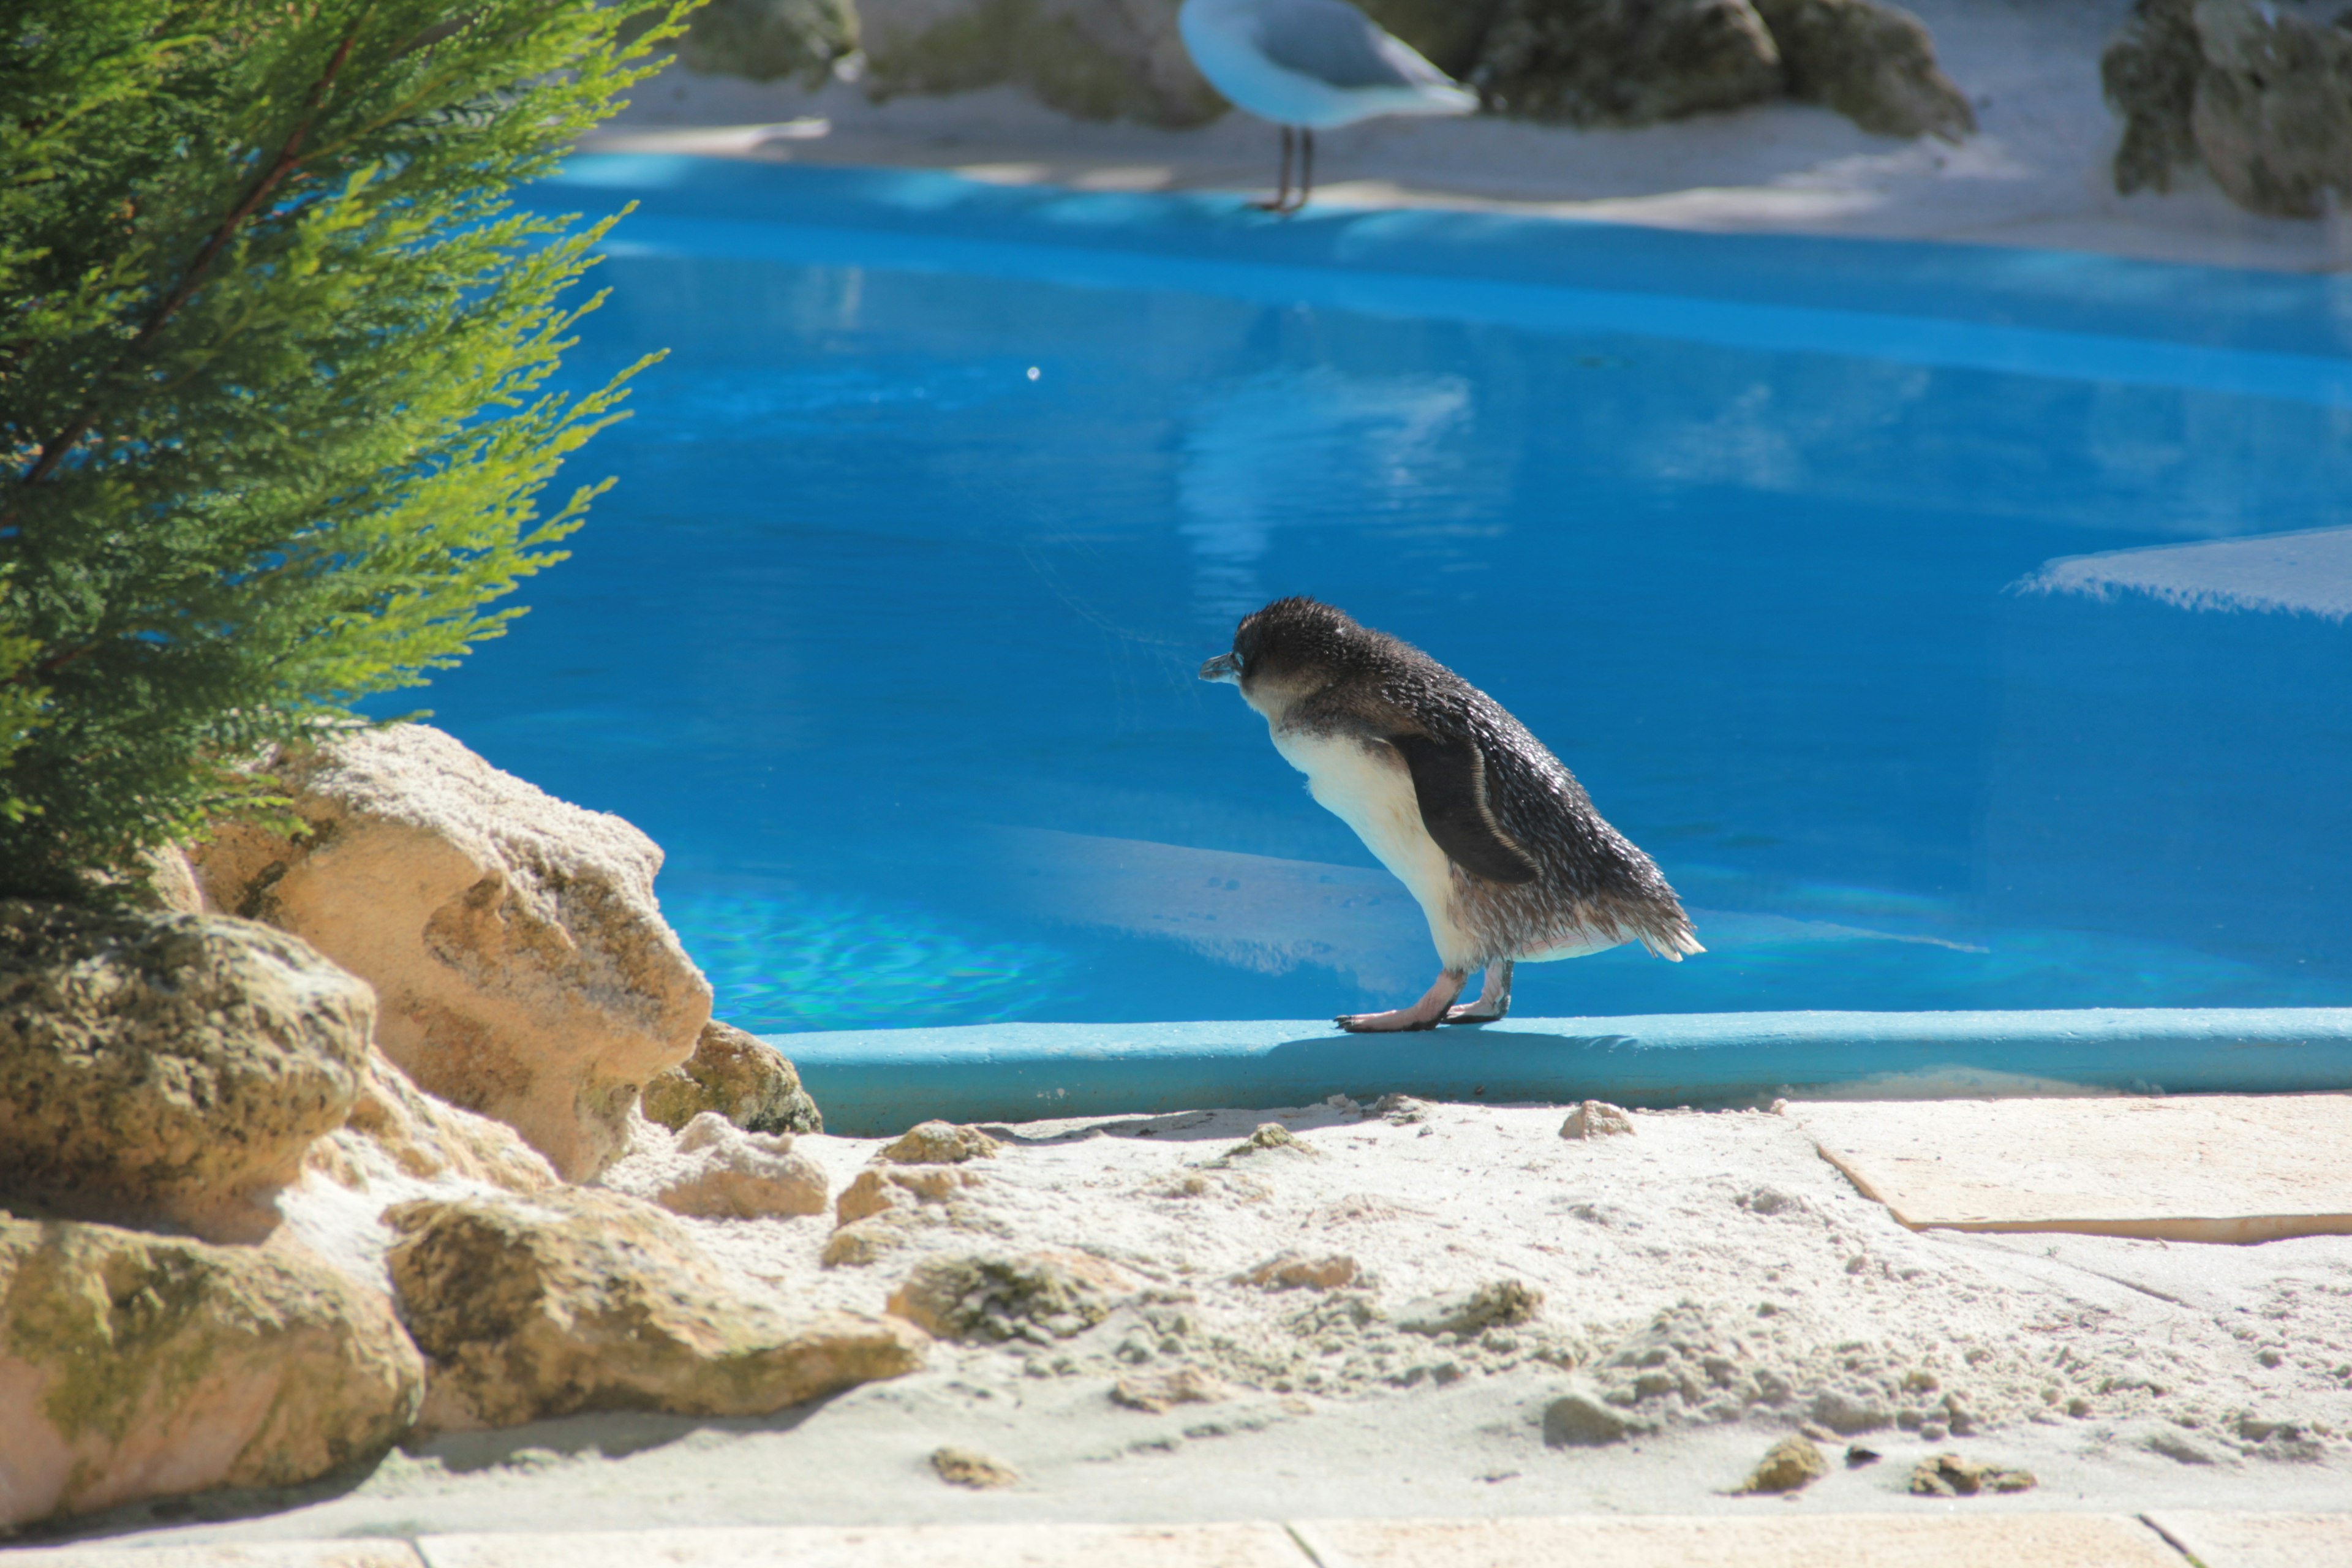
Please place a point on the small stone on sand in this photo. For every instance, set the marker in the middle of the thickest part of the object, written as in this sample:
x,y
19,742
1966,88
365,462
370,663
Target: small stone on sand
x,y
1290,1270
1596,1118
1794,1462
1948,1475
1153,1394
962,1467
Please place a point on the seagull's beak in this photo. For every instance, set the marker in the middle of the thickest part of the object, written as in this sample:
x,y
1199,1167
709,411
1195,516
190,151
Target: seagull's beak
x,y
1222,667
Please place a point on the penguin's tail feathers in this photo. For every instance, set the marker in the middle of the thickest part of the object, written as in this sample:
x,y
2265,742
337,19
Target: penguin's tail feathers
x,y
1674,943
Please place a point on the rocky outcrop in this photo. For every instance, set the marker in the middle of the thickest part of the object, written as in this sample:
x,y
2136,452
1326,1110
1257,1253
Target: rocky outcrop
x,y
2259,92
135,1365
1873,63
769,39
521,964
590,1301
1096,60
429,1139
168,1068
741,1076
1626,62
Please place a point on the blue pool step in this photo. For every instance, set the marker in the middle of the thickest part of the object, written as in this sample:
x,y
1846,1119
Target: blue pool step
x,y
876,1082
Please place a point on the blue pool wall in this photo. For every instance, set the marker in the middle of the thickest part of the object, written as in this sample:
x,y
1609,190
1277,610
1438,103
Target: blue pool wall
x,y
878,1082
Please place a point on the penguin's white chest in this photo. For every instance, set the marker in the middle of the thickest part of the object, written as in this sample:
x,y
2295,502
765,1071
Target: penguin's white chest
x,y
1369,790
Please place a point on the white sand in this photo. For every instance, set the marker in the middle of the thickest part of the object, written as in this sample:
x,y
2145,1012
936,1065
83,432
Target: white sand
x,y
2126,1374
2036,174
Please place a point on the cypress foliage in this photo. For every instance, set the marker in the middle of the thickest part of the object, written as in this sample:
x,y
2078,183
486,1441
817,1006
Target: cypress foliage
x,y
274,347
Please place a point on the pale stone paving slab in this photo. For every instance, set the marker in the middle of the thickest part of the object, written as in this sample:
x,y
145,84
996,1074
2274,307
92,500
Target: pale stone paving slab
x,y
2234,1540
965,1545
2210,1168
226,1554
1762,1541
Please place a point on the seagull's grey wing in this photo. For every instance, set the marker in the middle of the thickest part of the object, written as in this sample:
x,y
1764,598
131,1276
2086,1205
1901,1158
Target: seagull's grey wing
x,y
1336,44
1449,781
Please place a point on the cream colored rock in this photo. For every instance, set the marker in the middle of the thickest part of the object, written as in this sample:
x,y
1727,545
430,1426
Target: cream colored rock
x,y
168,1068
135,1365
1291,1270
738,1075
591,1300
938,1143
734,1174
879,1188
520,962
427,1139
1596,1118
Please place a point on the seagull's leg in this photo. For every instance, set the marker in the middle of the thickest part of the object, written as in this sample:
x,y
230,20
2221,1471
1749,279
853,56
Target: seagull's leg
x,y
1281,203
1306,167
1424,1014
1494,998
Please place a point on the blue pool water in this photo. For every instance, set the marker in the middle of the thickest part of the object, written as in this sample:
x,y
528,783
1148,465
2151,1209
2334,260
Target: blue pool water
x,y
887,633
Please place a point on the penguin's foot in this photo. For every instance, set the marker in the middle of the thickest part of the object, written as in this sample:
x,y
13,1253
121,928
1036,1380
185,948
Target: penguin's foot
x,y
1426,1014
1493,1002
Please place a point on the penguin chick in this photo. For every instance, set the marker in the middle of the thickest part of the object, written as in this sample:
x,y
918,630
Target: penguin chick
x,y
1496,840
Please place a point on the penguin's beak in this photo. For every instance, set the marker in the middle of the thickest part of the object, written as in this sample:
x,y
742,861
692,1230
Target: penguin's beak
x,y
1222,667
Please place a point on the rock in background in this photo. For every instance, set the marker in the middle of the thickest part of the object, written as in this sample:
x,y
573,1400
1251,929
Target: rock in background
x,y
769,39
132,1365
1872,63
2259,92
591,1300
1626,62
1096,59
166,1067
741,1076
521,965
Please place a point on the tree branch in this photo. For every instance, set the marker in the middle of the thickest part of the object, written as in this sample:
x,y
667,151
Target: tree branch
x,y
290,155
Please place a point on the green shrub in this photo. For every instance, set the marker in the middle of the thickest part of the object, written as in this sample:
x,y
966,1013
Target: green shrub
x,y
274,350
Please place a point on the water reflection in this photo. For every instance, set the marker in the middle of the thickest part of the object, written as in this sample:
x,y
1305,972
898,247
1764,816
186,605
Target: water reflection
x,y
1304,445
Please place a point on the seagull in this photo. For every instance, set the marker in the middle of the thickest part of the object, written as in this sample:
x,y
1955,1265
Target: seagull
x,y
1308,66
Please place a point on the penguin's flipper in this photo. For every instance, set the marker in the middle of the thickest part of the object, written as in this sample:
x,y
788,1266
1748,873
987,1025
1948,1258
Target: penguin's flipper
x,y
1449,780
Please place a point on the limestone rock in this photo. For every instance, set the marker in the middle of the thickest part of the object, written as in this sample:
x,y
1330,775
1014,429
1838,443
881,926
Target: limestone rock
x,y
1096,60
1790,1465
426,1138
135,1365
738,1075
1577,1420
2258,91
164,1067
1153,1392
1948,1475
769,39
938,1143
1873,63
1270,1136
521,964
1291,1270
590,1301
734,1174
1626,62
879,1188
964,1468
1596,1118
1039,1296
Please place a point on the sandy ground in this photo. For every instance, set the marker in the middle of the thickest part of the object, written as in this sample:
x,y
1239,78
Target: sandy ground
x,y
1709,1275
2036,174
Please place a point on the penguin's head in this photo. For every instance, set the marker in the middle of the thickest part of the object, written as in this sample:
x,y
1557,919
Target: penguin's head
x,y
1288,650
